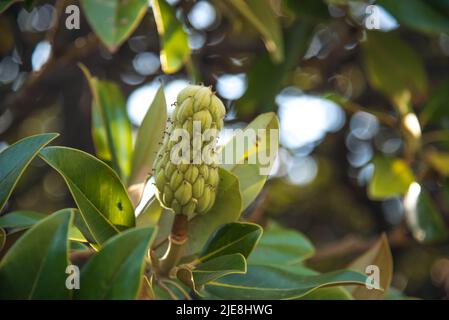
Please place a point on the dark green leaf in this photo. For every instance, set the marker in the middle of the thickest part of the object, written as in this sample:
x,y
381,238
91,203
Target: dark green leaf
x,y
308,9
392,177
111,128
231,238
393,67
114,20
269,282
116,271
34,267
261,16
97,190
5,4
2,238
436,109
219,267
281,246
15,159
418,15
21,219
423,217
173,39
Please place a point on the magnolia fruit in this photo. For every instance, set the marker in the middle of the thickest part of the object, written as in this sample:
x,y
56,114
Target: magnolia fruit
x,y
189,187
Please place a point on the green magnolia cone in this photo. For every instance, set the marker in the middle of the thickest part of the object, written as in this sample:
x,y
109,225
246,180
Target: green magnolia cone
x,y
189,186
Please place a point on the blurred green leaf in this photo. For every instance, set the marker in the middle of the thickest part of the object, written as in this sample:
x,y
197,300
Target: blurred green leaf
x,y
252,161
149,135
393,67
418,15
231,238
97,190
269,282
14,160
281,246
34,267
111,128
21,219
380,256
423,217
114,20
262,91
2,238
5,4
439,161
308,9
116,271
173,39
261,16
227,208
392,177
436,108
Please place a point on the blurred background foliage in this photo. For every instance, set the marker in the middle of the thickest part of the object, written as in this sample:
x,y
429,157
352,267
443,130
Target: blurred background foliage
x,y
364,113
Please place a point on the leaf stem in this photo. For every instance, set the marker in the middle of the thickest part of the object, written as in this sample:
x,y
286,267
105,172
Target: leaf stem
x,y
177,239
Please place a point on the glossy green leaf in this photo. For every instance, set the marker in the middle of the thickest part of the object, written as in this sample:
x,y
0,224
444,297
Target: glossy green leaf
x,y
34,267
227,208
21,219
97,190
219,267
172,37
111,127
250,154
15,159
232,238
116,271
269,282
392,177
261,16
393,67
149,135
380,256
334,293
114,21
281,246
418,15
423,217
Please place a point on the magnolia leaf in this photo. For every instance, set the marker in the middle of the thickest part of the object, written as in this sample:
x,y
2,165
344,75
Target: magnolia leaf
x,y
250,154
393,67
281,246
14,160
173,39
116,271
114,21
111,127
269,282
261,16
100,196
34,267
378,257
232,238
